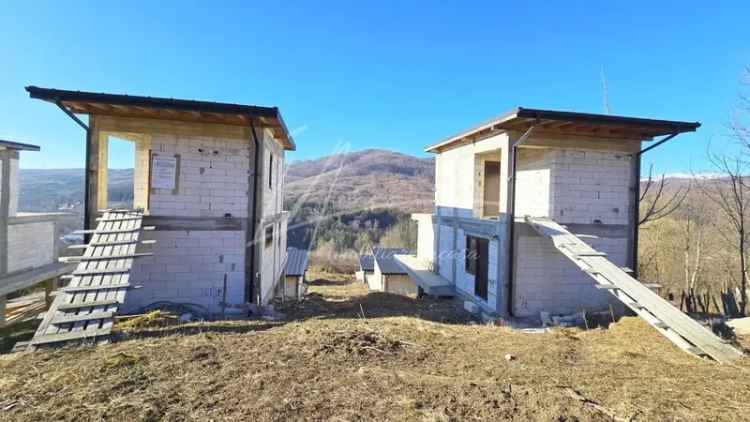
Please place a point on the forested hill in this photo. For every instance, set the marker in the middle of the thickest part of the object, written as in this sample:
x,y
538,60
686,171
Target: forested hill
x,y
364,180
351,181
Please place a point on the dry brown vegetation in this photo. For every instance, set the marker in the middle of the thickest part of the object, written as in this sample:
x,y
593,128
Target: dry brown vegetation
x,y
403,360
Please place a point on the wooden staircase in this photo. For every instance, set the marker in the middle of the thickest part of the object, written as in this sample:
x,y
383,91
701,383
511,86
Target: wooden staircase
x,y
678,327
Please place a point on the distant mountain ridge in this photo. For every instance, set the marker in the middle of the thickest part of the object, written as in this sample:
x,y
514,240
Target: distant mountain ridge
x,y
357,180
367,179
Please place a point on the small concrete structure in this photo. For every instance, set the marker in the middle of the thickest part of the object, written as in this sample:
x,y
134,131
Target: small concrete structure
x,y
388,275
209,176
294,276
579,169
366,267
28,248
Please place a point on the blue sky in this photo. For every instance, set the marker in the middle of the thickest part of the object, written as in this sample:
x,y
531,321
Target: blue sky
x,y
395,75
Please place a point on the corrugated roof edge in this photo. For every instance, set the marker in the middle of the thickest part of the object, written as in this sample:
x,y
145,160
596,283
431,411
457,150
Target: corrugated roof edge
x,y
19,146
54,95
296,263
523,112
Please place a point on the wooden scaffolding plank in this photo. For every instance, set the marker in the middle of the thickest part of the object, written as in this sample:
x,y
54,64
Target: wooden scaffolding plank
x,y
99,283
670,321
103,257
78,289
113,243
102,271
87,304
115,231
69,336
67,319
134,218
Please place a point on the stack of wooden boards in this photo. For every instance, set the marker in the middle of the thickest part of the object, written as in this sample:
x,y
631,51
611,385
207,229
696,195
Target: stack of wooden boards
x,y
678,327
86,307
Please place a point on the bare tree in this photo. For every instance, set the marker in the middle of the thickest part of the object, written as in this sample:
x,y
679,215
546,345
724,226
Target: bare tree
x,y
658,202
694,240
731,193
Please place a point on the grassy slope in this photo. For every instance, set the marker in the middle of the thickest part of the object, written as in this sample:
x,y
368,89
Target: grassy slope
x,y
406,360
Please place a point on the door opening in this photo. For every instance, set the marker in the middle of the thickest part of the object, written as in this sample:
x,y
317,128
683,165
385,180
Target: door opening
x,y
120,180
477,256
491,206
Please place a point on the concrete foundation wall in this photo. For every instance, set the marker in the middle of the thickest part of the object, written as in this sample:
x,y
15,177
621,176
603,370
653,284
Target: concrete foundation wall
x,y
30,245
400,284
189,267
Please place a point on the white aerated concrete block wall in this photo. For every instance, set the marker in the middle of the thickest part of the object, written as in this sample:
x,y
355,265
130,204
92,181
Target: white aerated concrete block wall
x,y
580,187
213,177
375,281
455,183
273,255
533,177
465,281
272,196
189,267
140,173
590,186
455,177
425,237
30,245
446,252
573,186
548,281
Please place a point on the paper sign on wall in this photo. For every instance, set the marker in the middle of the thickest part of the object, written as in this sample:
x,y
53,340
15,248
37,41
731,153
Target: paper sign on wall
x,y
163,172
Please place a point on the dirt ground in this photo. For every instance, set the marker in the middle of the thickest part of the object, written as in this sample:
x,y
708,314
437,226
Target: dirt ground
x,y
346,355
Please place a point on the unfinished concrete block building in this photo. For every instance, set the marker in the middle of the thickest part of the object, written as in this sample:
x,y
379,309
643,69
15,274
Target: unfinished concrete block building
x,y
209,177
579,170
28,241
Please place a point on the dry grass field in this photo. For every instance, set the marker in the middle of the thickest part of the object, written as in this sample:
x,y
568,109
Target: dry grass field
x,y
346,355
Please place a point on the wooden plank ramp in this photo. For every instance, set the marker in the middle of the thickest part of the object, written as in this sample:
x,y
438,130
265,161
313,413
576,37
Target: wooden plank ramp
x,y
85,309
678,327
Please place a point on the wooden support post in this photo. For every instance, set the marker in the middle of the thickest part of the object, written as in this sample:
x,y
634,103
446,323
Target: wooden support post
x,y
634,204
50,286
4,208
2,310
93,165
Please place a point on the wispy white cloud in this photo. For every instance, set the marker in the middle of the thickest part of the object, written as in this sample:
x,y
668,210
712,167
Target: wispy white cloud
x,y
299,130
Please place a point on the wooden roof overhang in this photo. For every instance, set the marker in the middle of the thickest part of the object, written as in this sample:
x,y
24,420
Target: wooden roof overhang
x,y
18,146
79,102
569,124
